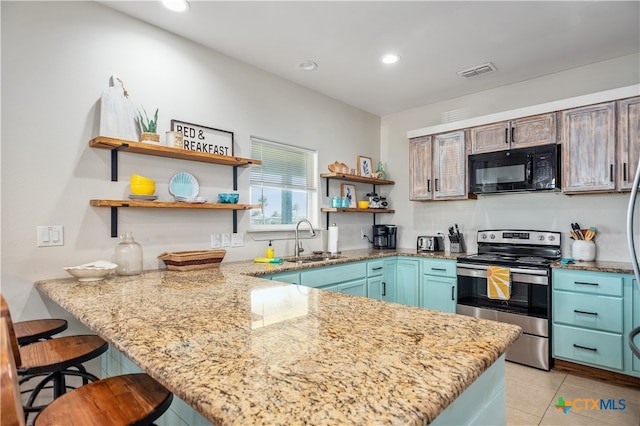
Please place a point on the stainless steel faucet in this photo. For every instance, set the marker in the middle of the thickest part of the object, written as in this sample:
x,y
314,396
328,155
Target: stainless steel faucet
x,y
298,244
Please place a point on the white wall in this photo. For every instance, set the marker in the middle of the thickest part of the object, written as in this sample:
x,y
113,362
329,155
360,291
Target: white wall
x,y
57,58
533,211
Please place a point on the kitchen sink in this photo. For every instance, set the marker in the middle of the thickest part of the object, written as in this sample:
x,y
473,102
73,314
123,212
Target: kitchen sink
x,y
314,258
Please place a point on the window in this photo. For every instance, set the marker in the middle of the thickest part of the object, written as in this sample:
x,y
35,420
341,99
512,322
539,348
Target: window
x,y
285,185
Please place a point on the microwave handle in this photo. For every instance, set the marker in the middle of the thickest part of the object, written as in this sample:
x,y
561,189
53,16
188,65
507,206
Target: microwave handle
x,y
529,169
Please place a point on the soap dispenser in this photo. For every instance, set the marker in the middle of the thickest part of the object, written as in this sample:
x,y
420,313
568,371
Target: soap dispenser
x,y
271,253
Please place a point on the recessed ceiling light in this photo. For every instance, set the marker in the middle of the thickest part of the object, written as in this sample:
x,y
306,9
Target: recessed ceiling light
x,y
391,58
176,5
307,66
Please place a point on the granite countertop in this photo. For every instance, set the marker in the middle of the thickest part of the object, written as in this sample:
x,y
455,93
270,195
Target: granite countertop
x,y
598,266
245,350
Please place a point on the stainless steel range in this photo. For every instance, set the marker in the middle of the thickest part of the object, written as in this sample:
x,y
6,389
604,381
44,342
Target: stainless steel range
x,y
526,256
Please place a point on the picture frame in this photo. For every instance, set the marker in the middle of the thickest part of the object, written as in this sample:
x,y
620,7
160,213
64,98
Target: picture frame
x,y
349,191
364,166
204,139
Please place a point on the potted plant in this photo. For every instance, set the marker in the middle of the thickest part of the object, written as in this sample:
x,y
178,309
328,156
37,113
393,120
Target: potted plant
x,y
149,127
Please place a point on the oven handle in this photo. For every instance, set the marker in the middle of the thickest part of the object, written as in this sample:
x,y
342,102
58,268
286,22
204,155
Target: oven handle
x,y
525,276
468,266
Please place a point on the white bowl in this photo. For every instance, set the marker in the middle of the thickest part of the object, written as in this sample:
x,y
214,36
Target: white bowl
x,y
94,271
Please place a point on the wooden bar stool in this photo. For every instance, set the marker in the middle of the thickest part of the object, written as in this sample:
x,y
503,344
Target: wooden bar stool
x,y
132,399
55,359
41,329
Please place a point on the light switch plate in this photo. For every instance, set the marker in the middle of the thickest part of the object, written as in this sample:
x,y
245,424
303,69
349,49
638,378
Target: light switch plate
x,y
215,241
237,239
226,240
49,236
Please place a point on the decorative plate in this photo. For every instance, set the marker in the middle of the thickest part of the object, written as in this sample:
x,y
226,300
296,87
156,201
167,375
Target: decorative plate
x,y
184,185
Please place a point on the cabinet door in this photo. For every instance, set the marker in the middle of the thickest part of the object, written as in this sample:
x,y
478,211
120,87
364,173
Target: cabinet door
x,y
438,293
628,141
490,137
407,283
354,288
533,131
389,280
450,166
420,161
588,136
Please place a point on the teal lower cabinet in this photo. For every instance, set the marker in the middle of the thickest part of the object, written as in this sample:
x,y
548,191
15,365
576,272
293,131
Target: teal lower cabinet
x,y
349,278
285,277
482,403
438,285
408,281
635,322
381,279
593,313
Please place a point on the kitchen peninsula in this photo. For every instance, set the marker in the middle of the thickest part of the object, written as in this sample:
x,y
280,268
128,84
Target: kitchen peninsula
x,y
240,349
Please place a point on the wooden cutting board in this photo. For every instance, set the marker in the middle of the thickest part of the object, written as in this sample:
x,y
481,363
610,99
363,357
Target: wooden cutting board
x,y
118,115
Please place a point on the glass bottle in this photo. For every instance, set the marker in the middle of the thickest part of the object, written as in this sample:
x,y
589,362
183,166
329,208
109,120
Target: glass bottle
x,y
128,256
383,174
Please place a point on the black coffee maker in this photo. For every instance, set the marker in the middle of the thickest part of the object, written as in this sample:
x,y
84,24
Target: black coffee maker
x,y
384,236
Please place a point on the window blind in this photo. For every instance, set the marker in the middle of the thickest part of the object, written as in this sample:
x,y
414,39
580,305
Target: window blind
x,y
283,166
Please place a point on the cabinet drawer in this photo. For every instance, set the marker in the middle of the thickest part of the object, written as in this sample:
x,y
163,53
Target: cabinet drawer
x,y
375,268
587,282
440,267
585,310
333,274
592,347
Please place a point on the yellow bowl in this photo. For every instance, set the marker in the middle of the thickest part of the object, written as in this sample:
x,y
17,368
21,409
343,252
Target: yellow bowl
x,y
141,179
363,204
143,188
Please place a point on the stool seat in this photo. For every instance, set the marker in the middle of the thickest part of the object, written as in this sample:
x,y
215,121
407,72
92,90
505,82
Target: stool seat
x,y
60,353
131,399
33,330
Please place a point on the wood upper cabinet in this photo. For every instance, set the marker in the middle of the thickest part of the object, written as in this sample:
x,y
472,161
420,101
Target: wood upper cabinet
x,y
589,154
523,132
420,165
628,141
438,167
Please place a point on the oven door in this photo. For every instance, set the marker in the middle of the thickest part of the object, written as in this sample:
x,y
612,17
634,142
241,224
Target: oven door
x,y
530,290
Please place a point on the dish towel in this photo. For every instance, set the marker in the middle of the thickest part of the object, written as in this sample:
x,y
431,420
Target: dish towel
x,y
498,282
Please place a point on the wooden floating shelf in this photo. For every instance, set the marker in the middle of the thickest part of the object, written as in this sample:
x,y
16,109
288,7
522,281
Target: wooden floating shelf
x,y
351,210
354,178
171,205
105,142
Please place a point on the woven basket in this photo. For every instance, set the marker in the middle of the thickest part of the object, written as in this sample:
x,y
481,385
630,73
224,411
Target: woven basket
x,y
192,260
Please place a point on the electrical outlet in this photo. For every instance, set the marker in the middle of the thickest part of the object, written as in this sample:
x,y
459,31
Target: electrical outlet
x,y
237,239
363,233
49,236
226,240
215,241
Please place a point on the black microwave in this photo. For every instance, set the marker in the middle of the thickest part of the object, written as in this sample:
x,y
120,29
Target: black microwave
x,y
523,169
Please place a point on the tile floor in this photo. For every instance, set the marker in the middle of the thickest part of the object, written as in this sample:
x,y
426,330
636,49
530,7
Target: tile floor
x,y
532,395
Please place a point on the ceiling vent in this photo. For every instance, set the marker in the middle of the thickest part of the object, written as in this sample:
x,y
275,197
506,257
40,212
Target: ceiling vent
x,y
477,70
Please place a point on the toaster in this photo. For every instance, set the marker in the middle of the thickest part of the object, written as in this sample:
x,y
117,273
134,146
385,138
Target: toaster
x,y
427,243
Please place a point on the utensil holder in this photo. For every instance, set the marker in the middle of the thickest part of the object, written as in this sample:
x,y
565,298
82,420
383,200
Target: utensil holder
x,y
583,250
457,246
